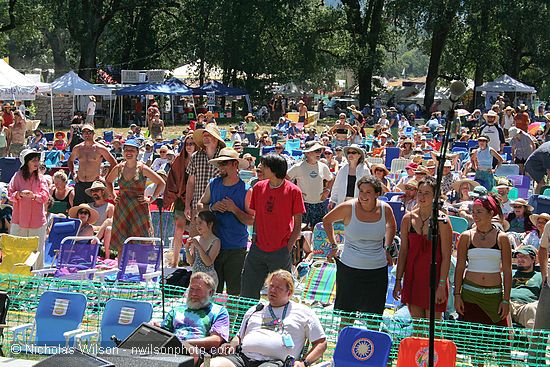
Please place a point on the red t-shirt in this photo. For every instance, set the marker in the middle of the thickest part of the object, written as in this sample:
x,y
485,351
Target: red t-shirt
x,y
275,209
8,118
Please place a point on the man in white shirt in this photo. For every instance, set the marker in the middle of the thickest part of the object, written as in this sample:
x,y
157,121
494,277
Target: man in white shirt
x,y
90,111
315,180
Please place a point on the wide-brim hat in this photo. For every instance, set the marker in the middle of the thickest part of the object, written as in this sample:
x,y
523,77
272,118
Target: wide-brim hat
x,y
490,113
249,116
87,127
503,183
408,141
456,185
95,185
212,129
352,107
94,215
374,167
402,185
132,143
60,133
509,108
429,163
522,202
229,154
358,149
27,153
534,217
392,109
248,155
314,147
92,98
522,107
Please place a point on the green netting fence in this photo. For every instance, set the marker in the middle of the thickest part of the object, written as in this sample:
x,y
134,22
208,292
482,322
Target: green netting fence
x,y
477,344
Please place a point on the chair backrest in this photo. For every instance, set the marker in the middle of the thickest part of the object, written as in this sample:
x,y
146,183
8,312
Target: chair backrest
x,y
461,144
459,149
57,313
399,164
321,245
16,250
254,151
398,211
459,224
121,317
522,183
138,258
472,144
320,283
76,253
49,136
543,204
8,167
507,170
413,351
108,135
507,149
383,198
52,158
391,154
292,144
297,153
375,160
409,131
359,347
223,134
61,228
390,195
268,149
246,176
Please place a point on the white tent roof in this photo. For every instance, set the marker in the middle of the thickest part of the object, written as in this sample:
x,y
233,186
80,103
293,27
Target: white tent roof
x,y
506,83
71,83
42,87
191,71
439,95
288,89
14,85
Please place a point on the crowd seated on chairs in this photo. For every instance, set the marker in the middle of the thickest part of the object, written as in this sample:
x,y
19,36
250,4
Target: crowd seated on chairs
x,y
361,199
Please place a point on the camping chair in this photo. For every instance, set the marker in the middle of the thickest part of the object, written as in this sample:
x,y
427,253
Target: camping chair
x,y
391,154
292,144
8,167
414,351
375,160
18,254
361,347
4,306
57,320
458,224
543,204
507,170
108,136
522,183
320,285
390,194
398,164
398,211
461,144
253,151
321,245
76,258
52,158
246,176
120,318
139,262
61,228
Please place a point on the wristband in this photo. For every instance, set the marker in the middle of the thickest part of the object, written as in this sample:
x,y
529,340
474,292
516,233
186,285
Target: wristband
x,y
505,302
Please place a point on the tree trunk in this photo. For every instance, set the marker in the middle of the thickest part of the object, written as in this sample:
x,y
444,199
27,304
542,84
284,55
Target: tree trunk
x,y
88,57
61,65
479,73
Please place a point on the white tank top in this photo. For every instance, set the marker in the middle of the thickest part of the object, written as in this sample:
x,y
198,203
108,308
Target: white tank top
x,y
364,242
484,260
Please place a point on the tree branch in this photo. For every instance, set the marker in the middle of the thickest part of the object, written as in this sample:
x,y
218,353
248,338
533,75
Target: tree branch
x,y
11,14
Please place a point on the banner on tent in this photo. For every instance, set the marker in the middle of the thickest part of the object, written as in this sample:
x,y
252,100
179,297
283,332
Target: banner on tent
x,y
211,96
18,93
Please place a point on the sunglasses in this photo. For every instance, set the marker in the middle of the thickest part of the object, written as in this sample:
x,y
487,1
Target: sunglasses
x,y
83,212
225,163
163,152
353,152
279,148
190,144
517,206
328,153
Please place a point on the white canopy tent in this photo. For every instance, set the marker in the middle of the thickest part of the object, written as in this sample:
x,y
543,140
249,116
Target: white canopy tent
x,y
14,85
506,83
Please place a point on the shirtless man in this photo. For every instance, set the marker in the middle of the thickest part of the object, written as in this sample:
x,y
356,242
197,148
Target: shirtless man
x,y
16,136
302,112
341,131
90,155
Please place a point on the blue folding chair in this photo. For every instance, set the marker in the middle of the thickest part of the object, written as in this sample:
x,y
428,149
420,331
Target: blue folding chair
x,y
398,211
543,204
459,149
390,195
268,149
297,153
383,198
361,347
57,320
507,170
8,167
120,318
223,134
108,136
458,224
461,144
472,144
522,183
61,228
507,150
408,131
292,144
49,136
391,154
52,158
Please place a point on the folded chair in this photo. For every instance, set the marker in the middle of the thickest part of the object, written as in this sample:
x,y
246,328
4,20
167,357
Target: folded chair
x,y
167,224
8,167
76,258
52,158
320,285
321,245
61,228
18,254
120,318
56,322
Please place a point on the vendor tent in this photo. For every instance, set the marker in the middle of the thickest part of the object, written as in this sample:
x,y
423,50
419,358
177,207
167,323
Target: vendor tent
x,y
179,88
156,89
506,83
289,90
14,85
71,83
220,89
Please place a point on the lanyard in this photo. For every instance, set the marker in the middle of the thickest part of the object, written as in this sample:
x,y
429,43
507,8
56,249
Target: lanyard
x,y
276,320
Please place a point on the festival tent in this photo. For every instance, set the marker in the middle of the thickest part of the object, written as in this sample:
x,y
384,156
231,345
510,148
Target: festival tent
x,y
288,89
220,90
71,83
506,83
14,85
179,88
156,89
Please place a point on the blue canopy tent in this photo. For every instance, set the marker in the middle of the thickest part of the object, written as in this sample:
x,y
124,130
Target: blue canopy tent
x,y
222,90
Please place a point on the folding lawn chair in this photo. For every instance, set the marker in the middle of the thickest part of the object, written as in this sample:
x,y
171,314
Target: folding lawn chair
x,y
320,284
4,307
19,254
61,228
361,347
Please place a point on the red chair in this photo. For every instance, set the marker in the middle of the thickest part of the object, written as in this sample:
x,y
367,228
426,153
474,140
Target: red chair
x,y
414,352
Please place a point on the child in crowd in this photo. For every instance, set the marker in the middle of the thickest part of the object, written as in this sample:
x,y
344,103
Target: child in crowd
x,y
201,251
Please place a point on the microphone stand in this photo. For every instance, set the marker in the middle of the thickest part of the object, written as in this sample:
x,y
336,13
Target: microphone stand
x,y
160,203
434,229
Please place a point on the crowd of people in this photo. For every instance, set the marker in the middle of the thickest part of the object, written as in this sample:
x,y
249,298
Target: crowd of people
x,y
339,175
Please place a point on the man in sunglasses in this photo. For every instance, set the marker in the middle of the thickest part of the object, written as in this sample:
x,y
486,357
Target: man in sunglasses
x,y
315,180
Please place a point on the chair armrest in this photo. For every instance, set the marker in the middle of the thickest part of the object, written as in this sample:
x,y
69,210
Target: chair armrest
x,y
20,331
43,272
150,276
84,337
69,334
322,364
86,272
103,273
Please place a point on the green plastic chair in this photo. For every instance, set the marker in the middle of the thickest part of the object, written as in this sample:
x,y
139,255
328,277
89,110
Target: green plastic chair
x,y
546,192
513,194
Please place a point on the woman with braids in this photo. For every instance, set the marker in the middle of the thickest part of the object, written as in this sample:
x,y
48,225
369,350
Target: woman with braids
x,y
482,287
415,255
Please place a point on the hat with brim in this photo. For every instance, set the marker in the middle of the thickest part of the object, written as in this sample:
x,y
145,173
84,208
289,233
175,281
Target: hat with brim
x,y
28,154
94,215
456,185
448,164
522,107
522,202
509,108
247,156
491,113
60,134
314,147
352,107
392,109
408,141
356,148
229,154
233,130
97,185
249,116
534,217
87,127
212,129
430,163
503,183
421,171
374,167
526,250
132,143
92,98
483,138
547,116
411,183
479,191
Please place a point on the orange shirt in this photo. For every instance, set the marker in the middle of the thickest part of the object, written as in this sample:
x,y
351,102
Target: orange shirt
x,y
522,121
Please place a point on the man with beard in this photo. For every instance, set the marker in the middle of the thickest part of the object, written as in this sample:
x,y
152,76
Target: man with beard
x,y
103,225
229,200
199,322
526,287
90,155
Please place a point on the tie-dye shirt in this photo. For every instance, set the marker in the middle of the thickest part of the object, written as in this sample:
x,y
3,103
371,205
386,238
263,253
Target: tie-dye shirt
x,y
189,324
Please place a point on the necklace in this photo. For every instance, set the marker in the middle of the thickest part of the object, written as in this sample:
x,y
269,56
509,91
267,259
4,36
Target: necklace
x,y
423,221
277,186
484,235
